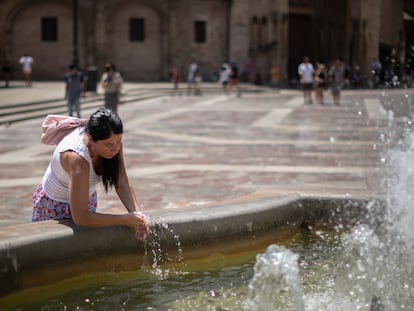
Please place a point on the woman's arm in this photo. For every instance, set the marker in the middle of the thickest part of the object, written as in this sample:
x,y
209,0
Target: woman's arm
x,y
128,197
125,190
78,170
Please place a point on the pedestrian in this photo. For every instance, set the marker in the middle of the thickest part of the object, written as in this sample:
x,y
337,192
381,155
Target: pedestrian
x,y
7,70
86,156
224,77
234,78
248,69
198,79
27,62
305,72
356,81
320,83
176,78
376,67
111,82
192,69
74,87
336,74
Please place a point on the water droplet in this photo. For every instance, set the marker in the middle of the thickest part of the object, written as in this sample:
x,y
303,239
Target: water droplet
x,y
212,293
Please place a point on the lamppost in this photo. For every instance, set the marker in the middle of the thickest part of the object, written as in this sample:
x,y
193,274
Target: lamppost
x,y
228,31
75,32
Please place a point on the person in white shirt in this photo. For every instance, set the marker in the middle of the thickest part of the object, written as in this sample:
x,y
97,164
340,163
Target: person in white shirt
x,y
84,158
111,82
192,69
27,62
305,72
225,77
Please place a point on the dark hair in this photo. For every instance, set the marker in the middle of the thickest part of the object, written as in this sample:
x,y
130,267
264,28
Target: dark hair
x,y
101,125
109,66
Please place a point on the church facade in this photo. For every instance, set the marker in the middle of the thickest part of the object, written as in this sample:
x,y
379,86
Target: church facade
x,y
145,39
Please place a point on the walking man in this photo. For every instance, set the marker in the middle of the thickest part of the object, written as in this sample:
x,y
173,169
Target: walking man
x,y
74,87
26,61
305,71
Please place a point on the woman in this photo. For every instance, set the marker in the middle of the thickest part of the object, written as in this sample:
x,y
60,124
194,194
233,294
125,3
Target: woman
x,y
337,79
111,82
320,83
82,159
225,77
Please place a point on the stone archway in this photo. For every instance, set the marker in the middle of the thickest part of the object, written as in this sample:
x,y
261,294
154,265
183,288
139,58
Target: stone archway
x,y
51,57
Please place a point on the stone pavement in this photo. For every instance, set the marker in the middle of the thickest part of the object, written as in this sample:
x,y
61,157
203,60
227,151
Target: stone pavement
x,y
201,151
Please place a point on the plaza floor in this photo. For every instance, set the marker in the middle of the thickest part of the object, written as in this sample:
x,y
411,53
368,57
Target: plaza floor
x,y
185,151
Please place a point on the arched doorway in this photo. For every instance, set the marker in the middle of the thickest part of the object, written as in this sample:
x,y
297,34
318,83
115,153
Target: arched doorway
x,y
52,49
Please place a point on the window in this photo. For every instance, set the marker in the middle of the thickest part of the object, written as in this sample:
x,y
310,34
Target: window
x,y
49,29
200,31
136,29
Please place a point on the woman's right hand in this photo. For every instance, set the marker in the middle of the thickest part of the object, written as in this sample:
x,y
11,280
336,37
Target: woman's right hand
x,y
140,225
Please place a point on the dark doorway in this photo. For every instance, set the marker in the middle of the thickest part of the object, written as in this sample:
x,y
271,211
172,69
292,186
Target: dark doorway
x,y
300,43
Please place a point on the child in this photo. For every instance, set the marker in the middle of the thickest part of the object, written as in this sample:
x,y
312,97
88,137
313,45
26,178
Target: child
x,y
197,80
175,79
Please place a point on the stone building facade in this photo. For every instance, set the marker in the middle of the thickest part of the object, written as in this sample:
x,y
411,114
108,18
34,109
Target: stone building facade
x,y
147,38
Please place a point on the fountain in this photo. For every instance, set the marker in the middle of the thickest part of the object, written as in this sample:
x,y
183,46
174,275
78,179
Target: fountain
x,y
374,271
275,271
360,257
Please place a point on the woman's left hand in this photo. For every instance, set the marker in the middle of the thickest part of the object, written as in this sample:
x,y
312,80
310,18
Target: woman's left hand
x,y
141,229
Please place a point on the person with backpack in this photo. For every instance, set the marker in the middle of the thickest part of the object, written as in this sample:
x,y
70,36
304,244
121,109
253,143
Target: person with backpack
x,y
83,158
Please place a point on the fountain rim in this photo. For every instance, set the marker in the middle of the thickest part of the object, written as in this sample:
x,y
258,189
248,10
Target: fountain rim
x,y
31,246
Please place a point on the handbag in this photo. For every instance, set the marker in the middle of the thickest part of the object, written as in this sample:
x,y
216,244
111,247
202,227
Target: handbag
x,y
55,127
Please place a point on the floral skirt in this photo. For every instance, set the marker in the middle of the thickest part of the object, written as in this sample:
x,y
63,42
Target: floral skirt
x,y
45,208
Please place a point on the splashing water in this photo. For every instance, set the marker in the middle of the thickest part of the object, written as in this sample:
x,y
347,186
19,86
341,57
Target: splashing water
x,y
374,270
400,185
159,255
276,271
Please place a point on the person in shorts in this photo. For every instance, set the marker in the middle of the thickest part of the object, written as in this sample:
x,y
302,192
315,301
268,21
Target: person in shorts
x,y
305,72
26,61
87,156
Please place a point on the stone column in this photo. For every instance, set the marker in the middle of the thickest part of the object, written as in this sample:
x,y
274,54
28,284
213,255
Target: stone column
x,y
5,34
102,36
165,44
281,58
239,31
371,25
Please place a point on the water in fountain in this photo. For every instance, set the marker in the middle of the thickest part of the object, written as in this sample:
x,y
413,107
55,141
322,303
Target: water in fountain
x,y
374,269
377,261
157,253
275,272
368,269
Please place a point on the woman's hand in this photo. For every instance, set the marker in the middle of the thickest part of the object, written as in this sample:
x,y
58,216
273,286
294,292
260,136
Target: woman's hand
x,y
140,225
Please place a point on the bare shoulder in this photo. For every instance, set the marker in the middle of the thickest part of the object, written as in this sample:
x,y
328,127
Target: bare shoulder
x,y
73,162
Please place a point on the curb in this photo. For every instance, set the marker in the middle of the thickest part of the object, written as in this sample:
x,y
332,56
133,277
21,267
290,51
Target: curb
x,y
25,248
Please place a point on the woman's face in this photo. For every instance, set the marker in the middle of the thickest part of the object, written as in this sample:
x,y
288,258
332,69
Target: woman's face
x,y
110,147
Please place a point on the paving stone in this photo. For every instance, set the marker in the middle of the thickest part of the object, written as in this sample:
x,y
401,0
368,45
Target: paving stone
x,y
202,151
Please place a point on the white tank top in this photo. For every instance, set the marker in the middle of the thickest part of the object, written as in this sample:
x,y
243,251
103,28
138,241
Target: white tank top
x,y
56,180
